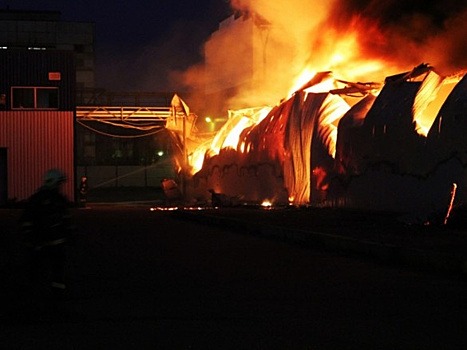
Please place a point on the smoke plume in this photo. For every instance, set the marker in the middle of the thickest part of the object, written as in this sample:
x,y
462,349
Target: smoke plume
x,y
360,40
408,32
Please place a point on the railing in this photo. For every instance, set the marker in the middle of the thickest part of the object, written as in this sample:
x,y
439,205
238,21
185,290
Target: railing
x,y
111,113
102,97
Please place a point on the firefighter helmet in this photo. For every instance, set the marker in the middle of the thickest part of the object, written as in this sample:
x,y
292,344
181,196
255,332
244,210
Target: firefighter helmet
x,y
54,177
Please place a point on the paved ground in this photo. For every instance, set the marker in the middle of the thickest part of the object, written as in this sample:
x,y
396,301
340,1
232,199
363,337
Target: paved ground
x,y
382,236
118,301
182,280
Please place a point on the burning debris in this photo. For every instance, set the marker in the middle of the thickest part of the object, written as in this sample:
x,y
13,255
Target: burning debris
x,y
219,200
317,148
340,137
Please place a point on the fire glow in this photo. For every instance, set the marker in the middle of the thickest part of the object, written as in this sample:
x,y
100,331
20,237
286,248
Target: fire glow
x,y
332,98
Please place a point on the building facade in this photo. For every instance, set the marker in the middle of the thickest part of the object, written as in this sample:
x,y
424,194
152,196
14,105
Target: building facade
x,y
47,71
44,30
37,114
243,61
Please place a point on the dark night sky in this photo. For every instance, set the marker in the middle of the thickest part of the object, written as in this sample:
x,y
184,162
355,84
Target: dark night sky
x,y
139,42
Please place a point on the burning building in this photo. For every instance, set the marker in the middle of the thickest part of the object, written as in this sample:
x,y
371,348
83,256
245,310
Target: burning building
x,y
384,144
317,148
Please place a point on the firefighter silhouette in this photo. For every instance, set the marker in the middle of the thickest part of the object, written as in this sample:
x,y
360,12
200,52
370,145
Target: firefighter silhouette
x,y
83,191
46,227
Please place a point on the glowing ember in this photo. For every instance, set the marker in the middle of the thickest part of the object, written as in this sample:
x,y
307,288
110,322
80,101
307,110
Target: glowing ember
x,y
163,208
451,203
176,208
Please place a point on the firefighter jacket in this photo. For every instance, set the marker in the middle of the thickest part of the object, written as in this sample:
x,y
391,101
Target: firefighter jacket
x,y
45,220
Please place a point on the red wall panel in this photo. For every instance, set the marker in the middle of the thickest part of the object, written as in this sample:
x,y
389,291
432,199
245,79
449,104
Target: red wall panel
x,y
37,141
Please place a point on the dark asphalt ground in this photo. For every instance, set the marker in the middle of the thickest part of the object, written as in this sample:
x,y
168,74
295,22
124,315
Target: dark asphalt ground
x,y
142,279
384,237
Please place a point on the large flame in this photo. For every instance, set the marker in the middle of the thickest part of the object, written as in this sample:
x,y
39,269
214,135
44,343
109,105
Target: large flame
x,y
357,40
228,136
353,45
428,103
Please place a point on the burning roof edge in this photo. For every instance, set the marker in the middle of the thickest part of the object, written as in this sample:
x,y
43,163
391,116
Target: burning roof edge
x,y
416,72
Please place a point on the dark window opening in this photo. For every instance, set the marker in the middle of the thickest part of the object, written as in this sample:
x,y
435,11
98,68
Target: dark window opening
x,y
79,48
47,98
34,98
23,98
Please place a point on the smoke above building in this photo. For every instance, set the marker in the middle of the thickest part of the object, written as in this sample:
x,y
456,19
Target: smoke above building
x,y
357,40
364,102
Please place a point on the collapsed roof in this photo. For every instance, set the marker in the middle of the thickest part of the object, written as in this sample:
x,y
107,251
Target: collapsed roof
x,y
318,148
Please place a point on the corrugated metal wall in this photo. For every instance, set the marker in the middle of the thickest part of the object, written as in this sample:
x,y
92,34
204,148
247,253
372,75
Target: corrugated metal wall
x,y
37,141
32,68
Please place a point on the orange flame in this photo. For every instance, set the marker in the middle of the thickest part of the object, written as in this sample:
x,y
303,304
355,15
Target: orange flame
x,y
285,60
429,100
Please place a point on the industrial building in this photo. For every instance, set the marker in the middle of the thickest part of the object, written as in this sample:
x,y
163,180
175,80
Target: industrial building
x,y
37,90
52,115
43,61
236,72
44,30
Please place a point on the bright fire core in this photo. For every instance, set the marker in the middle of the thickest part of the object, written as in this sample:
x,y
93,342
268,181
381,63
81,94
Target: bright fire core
x,y
325,90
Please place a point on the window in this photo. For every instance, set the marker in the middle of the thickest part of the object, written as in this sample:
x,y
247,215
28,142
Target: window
x,y
23,97
34,97
79,48
46,98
